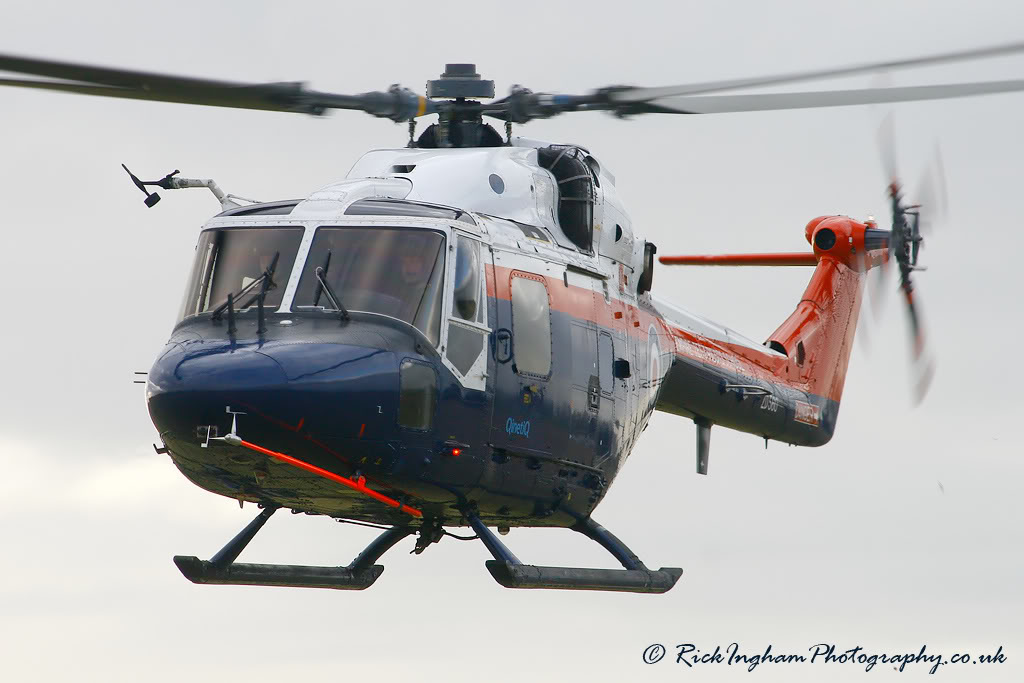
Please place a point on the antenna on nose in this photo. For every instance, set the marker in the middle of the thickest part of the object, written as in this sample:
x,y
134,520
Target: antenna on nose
x,y
234,421
231,438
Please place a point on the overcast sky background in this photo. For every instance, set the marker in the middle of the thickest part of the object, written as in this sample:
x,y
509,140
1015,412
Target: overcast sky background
x,y
854,543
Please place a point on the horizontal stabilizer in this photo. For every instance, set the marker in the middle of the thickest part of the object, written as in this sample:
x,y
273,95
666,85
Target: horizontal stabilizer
x,y
792,259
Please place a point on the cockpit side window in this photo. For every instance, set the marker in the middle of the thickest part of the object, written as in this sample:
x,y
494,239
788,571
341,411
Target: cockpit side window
x,y
228,260
467,302
468,316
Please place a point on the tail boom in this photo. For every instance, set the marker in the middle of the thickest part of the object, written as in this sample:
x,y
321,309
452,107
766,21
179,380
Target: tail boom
x,y
790,388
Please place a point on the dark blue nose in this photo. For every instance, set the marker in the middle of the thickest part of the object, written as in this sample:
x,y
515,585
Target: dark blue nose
x,y
327,389
213,365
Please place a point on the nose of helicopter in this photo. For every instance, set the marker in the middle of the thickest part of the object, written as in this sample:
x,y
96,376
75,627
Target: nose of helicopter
x,y
336,387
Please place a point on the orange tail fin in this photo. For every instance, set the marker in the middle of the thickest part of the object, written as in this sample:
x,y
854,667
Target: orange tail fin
x,y
819,333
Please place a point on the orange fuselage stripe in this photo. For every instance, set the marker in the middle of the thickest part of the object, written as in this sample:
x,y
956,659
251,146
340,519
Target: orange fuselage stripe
x,y
588,305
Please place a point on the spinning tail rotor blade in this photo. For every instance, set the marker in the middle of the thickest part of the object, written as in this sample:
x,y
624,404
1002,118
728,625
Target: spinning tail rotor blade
x,y
863,331
916,328
877,289
887,148
877,281
922,365
931,193
904,242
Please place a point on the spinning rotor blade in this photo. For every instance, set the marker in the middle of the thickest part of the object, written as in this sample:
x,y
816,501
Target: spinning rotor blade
x,y
931,193
398,104
649,94
887,148
923,366
877,291
720,104
918,219
523,105
903,244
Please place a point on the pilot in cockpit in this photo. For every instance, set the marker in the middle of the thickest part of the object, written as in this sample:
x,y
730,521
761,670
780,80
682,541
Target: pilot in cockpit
x,y
256,265
414,268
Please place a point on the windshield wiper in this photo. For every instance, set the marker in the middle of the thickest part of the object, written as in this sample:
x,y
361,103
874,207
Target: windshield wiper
x,y
326,288
320,290
266,282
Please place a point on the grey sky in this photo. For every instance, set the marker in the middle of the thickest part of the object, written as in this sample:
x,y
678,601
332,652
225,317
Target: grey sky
x,y
853,543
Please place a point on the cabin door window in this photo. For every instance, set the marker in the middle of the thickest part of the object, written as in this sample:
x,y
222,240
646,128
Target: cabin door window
x,y
531,326
467,330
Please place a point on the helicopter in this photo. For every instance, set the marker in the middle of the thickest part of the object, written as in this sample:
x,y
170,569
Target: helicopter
x,y
462,332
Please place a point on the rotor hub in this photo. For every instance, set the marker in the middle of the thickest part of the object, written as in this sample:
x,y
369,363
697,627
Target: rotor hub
x,y
460,81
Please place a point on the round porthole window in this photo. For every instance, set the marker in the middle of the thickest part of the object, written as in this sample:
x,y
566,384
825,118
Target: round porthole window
x,y
618,232
497,184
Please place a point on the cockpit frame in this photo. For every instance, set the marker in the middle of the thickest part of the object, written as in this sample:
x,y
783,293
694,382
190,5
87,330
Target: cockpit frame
x,y
472,375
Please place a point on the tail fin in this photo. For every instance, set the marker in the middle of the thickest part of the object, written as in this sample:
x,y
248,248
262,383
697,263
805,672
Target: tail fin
x,y
818,336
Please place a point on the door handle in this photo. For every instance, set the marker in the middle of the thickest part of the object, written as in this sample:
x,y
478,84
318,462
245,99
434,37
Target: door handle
x,y
501,345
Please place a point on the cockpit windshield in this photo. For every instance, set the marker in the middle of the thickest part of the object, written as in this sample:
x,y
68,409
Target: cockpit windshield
x,y
229,259
393,271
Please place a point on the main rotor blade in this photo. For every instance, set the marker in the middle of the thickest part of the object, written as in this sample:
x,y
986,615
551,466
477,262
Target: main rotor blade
x,y
718,104
522,105
634,95
273,97
397,103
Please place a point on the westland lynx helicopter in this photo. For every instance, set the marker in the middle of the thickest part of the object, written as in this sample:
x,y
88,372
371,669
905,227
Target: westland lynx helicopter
x,y
462,331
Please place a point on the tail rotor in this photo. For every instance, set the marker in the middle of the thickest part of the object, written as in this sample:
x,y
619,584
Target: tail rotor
x,y
910,222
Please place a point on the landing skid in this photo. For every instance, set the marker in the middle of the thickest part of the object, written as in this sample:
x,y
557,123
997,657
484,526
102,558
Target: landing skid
x,y
222,568
635,578
362,572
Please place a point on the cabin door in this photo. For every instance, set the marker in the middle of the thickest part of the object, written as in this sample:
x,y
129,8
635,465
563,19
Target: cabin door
x,y
522,349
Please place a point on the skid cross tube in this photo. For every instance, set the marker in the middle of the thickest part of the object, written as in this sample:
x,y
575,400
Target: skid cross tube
x,y
222,568
635,578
